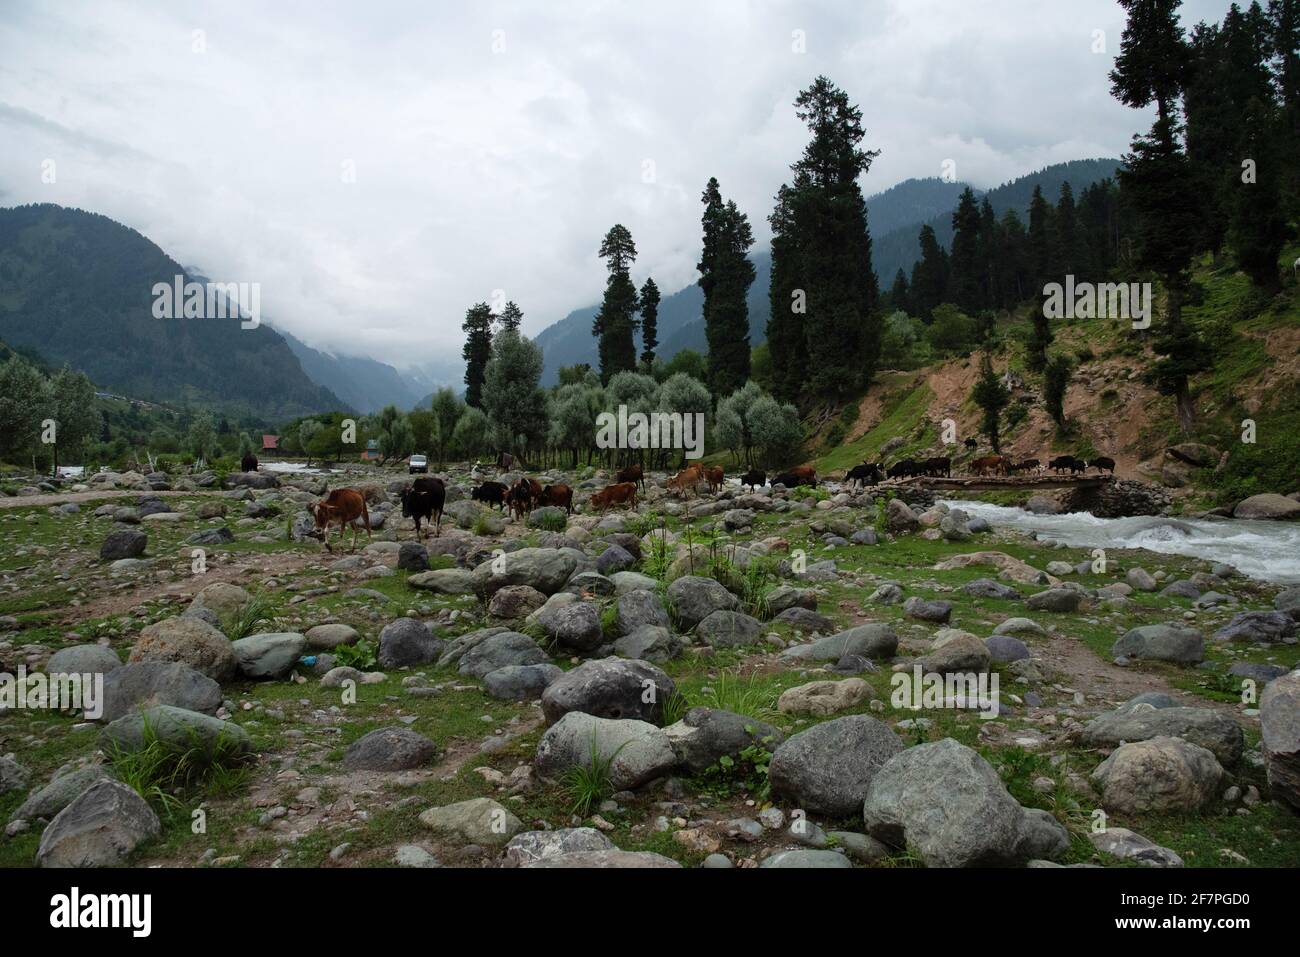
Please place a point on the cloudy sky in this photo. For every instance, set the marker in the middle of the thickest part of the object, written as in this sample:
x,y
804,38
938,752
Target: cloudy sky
x,y
379,167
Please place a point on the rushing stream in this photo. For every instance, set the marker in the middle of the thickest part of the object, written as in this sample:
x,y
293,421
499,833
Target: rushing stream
x,y
1268,551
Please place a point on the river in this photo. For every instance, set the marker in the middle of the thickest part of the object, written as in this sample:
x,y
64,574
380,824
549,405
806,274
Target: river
x,y
1267,551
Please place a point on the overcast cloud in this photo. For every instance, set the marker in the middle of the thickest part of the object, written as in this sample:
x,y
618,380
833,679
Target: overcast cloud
x,y
479,169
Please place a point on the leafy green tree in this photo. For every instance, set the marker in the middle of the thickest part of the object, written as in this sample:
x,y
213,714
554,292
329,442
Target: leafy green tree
x,y
74,413
24,397
688,361
446,413
514,402
309,431
201,437
477,351
648,301
992,397
615,324
472,436
952,330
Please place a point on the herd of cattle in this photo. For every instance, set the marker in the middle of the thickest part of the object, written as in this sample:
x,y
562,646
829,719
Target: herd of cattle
x,y
424,499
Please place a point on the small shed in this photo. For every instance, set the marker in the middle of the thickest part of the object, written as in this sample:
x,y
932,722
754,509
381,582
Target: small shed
x,y
270,443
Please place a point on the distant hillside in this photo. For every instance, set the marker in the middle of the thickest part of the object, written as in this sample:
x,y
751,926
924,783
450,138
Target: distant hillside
x,y
366,385
895,218
77,287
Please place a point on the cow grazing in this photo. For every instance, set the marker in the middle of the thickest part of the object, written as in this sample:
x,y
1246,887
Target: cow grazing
x,y
617,494
424,499
1079,465
345,506
490,493
754,478
524,496
991,465
248,463
868,473
905,468
938,466
561,496
713,475
971,444
633,473
685,480
1103,463
799,475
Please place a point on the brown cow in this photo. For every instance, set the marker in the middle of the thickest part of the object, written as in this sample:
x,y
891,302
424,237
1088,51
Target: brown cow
x,y
345,506
991,465
623,492
558,495
713,475
633,474
686,479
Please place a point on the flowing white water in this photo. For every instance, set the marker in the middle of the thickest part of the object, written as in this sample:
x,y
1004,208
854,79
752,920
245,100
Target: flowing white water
x,y
295,468
1268,551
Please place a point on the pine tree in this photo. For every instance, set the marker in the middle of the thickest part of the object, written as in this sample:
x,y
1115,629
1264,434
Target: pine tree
x,y
477,351
899,295
615,322
1039,241
1056,382
725,277
992,397
1258,228
964,261
787,304
929,276
648,303
511,317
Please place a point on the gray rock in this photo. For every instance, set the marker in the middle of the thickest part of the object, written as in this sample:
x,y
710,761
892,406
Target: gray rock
x,y
189,641
331,636
576,626
616,688
874,640
1004,648
988,588
948,805
1042,837
546,569
479,821
1020,626
1279,720
520,682
1288,601
1260,674
123,543
407,641
413,557
603,860
615,558
1122,843
140,686
211,536
827,768
390,749
928,610
515,601
637,752
706,734
801,619
83,660
532,846
729,629
177,730
1162,643
13,776
444,581
649,643
625,582
889,593
637,609
1055,599
1181,589
695,598
1140,580
783,597
270,655
500,650
807,858
1264,627
1203,727
1158,775
48,801
100,828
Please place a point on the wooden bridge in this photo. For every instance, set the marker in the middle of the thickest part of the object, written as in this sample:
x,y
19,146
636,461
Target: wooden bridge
x,y
993,483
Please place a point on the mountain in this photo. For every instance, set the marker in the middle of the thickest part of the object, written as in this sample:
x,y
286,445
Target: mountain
x,y
366,385
895,218
78,287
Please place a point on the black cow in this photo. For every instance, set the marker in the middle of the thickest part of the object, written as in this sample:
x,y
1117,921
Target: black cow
x,y
1028,465
1062,463
492,493
754,478
424,499
971,444
904,469
1103,463
796,477
868,473
1080,465
248,463
939,466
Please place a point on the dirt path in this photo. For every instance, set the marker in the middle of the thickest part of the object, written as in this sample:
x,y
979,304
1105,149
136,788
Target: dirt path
x,y
59,498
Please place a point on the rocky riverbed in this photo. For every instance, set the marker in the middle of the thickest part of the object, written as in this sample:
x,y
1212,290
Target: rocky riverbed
x,y
716,682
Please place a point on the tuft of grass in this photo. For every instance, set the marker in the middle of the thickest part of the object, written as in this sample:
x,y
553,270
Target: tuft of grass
x,y
748,697
589,784
246,621
161,771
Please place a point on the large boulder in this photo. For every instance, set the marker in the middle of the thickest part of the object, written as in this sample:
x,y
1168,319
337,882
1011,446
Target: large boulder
x,y
100,828
1055,599
1268,506
83,660
1263,627
123,543
827,768
639,608
408,641
269,655
330,636
44,803
390,749
520,682
705,735
178,731
223,599
610,688
636,752
650,643
936,610
1183,646
515,601
1279,720
604,860
575,626
1158,775
530,847
873,640
823,698
957,652
947,804
695,598
144,684
444,581
500,650
189,641
729,629
546,569
481,821
1203,727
